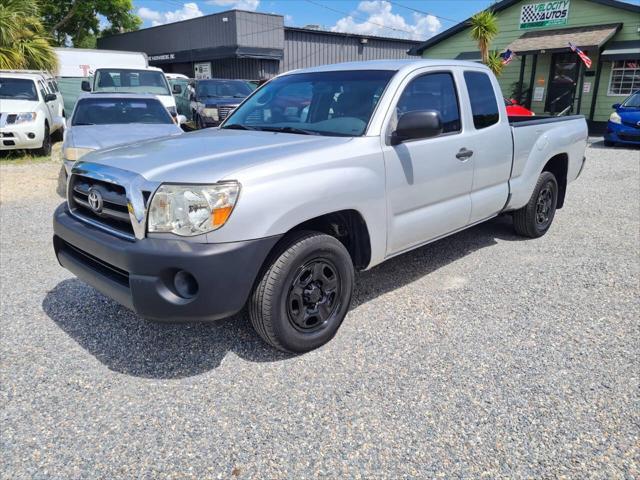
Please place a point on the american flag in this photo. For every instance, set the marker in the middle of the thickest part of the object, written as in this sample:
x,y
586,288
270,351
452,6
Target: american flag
x,y
507,56
583,56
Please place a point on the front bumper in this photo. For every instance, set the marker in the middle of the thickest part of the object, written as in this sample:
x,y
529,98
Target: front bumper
x,y
620,133
14,137
140,275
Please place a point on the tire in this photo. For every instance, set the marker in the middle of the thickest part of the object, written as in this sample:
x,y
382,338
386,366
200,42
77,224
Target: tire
x,y
534,219
199,124
45,149
61,188
303,294
609,143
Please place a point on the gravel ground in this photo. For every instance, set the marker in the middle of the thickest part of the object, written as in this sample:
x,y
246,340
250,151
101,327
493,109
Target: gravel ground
x,y
480,355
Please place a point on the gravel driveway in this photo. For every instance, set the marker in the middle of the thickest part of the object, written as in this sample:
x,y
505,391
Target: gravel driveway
x,y
479,355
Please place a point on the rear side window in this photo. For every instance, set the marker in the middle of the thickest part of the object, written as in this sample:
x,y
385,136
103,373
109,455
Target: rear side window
x,y
433,91
484,106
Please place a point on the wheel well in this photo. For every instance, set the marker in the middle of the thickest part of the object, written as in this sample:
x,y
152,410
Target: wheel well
x,y
559,165
349,227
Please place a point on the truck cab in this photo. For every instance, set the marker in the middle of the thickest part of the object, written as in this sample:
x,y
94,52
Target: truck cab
x,y
129,80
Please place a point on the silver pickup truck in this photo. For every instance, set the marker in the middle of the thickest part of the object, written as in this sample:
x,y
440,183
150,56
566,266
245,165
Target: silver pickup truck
x,y
318,173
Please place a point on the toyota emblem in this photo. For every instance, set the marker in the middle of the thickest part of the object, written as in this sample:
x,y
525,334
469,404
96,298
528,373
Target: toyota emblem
x,y
95,200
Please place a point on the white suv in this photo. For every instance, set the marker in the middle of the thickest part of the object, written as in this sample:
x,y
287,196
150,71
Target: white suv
x,y
31,110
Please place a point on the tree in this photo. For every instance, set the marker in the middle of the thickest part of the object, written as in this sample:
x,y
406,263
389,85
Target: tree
x,y
494,62
83,21
484,28
23,41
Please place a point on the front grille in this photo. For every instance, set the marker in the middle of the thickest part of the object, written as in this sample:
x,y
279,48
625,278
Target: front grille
x,y
114,213
6,135
112,272
11,118
631,124
223,112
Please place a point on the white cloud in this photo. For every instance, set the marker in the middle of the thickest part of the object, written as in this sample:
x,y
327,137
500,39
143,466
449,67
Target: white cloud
x,y
188,10
380,20
250,5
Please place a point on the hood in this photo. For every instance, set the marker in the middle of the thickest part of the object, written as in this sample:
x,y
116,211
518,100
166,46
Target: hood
x,y
104,136
17,106
629,114
222,101
209,155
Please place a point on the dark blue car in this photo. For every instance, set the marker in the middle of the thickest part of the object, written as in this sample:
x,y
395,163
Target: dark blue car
x,y
623,126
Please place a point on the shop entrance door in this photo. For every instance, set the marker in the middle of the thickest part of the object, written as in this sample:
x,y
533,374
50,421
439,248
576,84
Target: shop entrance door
x,y
563,78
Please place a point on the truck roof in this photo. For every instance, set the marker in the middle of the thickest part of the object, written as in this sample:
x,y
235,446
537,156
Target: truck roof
x,y
394,65
26,74
117,95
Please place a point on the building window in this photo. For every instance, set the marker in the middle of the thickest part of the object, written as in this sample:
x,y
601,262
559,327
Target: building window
x,y
625,77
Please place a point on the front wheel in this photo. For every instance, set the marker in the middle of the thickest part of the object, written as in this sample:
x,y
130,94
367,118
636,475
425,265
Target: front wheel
x,y
45,149
304,293
534,219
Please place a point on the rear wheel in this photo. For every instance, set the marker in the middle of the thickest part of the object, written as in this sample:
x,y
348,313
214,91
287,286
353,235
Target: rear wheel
x,y
534,219
304,293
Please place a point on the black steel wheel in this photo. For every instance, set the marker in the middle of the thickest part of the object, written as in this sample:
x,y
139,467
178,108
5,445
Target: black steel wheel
x,y
314,295
45,149
534,219
303,293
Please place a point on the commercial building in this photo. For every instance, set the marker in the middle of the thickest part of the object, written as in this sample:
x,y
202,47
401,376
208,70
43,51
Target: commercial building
x,y
546,75
249,45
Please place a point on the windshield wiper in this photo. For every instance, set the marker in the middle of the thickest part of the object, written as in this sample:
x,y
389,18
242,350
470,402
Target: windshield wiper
x,y
300,131
238,126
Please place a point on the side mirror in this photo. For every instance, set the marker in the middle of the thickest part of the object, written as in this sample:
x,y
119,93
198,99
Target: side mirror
x,y
182,119
177,89
50,97
615,105
417,124
86,86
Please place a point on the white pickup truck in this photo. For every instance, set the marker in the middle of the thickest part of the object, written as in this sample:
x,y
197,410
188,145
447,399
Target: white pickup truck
x,y
319,172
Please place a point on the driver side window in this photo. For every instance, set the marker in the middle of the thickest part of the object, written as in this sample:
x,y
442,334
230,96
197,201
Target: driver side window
x,y
432,91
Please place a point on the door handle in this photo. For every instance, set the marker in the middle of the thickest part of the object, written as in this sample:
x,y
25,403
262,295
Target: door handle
x,y
463,154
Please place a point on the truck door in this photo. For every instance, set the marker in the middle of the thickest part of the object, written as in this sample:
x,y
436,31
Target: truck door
x,y
489,134
428,180
50,104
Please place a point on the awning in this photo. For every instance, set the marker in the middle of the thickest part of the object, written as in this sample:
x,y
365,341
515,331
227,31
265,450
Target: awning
x,y
622,50
470,56
558,39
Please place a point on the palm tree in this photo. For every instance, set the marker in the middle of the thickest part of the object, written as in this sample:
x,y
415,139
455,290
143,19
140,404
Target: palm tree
x,y
23,41
494,62
484,28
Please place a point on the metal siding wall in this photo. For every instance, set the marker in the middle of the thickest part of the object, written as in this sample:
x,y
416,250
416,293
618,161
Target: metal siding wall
x,y
256,30
309,49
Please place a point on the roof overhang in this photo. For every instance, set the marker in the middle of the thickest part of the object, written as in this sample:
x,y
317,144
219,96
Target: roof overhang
x,y
217,53
592,36
622,50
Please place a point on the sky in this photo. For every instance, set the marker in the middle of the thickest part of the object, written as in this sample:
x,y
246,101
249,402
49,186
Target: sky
x,y
414,19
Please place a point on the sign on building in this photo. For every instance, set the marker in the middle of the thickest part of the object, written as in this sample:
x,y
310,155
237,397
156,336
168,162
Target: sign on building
x,y
202,70
544,14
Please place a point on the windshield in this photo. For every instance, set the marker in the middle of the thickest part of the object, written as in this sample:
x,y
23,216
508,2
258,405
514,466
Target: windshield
x,y
336,103
633,101
18,88
223,89
110,111
132,81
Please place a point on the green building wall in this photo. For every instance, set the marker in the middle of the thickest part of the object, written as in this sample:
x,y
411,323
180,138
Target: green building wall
x,y
581,13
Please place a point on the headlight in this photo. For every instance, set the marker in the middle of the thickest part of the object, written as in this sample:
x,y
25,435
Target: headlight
x,y
211,113
615,118
25,117
189,210
73,153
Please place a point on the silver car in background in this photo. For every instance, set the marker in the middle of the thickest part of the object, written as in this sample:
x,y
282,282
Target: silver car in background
x,y
103,120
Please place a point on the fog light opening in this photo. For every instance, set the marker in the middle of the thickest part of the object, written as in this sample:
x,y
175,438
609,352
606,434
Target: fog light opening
x,y
31,135
185,284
